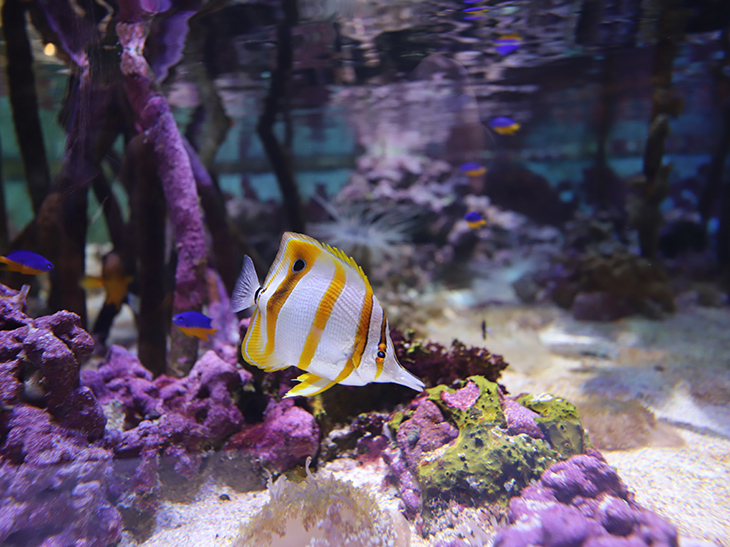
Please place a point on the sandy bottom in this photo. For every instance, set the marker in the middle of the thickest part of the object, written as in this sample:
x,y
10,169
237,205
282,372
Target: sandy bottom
x,y
673,377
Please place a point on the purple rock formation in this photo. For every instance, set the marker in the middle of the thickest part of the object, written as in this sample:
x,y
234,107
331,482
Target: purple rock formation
x,y
424,431
286,437
410,490
173,165
62,473
57,484
123,378
520,419
463,398
581,502
44,355
176,418
56,345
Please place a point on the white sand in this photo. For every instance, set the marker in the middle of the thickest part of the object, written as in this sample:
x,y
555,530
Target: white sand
x,y
690,486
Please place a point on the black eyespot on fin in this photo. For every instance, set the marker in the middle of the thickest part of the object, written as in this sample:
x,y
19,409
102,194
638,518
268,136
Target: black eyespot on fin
x,y
298,265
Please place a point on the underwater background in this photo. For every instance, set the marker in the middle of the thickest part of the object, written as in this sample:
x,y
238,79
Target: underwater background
x,y
536,192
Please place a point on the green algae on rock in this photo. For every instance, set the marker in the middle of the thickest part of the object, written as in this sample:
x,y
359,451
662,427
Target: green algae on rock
x,y
559,422
321,510
485,463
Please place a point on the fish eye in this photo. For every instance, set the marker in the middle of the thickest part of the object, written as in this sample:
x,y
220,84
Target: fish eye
x,y
381,354
298,265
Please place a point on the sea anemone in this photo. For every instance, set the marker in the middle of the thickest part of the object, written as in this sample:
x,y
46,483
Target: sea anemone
x,y
364,231
322,511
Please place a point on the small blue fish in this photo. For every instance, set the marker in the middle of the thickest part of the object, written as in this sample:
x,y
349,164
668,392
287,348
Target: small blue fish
x,y
508,43
25,262
473,169
474,219
194,323
478,12
504,125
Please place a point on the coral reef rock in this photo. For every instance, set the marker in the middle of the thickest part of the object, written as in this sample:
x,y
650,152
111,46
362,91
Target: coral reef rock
x,y
168,420
286,437
583,503
57,483
471,444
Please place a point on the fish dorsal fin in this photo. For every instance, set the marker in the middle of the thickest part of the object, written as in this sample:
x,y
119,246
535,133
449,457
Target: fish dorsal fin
x,y
340,254
246,286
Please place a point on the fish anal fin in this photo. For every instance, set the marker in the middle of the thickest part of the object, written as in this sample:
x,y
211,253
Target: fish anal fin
x,y
310,384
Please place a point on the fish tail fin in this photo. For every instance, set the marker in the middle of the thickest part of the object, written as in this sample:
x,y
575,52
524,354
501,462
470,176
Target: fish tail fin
x,y
246,286
311,384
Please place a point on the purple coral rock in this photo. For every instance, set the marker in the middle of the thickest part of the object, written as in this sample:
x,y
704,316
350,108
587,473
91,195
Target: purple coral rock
x,y
123,378
408,487
581,502
286,437
208,396
11,314
563,525
193,411
173,418
55,345
424,431
520,419
370,447
67,327
55,487
463,398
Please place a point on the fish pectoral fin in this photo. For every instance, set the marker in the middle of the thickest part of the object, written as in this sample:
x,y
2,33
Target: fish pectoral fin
x,y
311,384
247,284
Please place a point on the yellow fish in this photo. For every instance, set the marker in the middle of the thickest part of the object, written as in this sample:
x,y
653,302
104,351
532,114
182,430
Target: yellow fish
x,y
113,280
316,310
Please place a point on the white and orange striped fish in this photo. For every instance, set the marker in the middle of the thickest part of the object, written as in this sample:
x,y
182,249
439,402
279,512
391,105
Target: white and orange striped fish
x,y
316,311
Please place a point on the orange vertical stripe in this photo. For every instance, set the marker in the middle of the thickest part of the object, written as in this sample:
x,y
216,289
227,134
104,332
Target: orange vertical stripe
x,y
309,254
322,315
363,327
